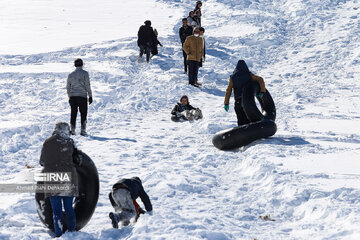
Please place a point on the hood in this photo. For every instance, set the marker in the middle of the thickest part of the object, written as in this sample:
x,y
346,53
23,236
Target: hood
x,y
62,129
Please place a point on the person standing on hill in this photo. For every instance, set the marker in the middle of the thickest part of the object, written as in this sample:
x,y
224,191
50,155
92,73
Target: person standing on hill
x,y
184,32
194,48
240,77
197,12
57,156
192,20
146,39
78,89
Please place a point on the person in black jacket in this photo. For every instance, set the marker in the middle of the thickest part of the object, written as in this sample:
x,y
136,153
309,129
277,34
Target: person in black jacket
x,y
123,198
197,12
202,31
183,110
146,39
184,32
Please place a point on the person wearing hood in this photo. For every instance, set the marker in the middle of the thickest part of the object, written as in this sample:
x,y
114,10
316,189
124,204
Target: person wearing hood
x,y
57,157
146,39
123,198
194,49
78,89
240,77
183,110
184,32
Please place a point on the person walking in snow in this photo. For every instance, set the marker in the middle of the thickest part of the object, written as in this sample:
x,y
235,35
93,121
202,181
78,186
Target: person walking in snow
x,y
194,49
202,31
123,198
146,39
78,89
192,21
240,77
57,156
184,32
183,110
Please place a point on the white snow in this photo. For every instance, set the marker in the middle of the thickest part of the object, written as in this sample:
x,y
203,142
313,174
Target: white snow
x,y
306,177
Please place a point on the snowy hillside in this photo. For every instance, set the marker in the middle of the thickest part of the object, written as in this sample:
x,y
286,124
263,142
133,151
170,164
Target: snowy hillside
x,y
306,177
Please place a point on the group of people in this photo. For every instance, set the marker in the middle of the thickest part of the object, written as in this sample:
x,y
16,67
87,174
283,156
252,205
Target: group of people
x,y
59,150
58,155
192,39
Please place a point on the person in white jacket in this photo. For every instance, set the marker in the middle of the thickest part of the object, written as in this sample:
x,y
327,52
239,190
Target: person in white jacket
x,y
191,20
78,89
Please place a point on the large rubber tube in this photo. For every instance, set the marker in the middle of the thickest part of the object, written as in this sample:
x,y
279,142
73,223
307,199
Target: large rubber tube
x,y
249,105
243,135
84,205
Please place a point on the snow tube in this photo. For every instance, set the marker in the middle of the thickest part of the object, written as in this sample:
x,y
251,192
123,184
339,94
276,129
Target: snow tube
x,y
248,102
178,119
243,135
84,205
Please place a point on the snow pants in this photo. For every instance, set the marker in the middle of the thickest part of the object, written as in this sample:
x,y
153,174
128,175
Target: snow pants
x,y
56,205
81,104
240,114
125,208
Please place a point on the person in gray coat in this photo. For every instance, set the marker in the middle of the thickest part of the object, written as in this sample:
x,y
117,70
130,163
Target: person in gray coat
x,y
57,158
78,89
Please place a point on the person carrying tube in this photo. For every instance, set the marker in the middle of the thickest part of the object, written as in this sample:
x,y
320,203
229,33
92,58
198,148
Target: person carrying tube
x,y
57,157
240,77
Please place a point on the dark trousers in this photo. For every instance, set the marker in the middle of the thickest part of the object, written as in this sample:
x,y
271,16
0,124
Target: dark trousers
x,y
240,114
147,50
185,61
193,71
81,104
56,205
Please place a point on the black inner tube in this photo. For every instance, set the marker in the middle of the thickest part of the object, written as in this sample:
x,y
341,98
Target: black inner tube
x,y
249,105
84,205
243,135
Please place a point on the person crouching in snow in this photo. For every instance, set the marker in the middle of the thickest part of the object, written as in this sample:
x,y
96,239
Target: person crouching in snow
x,y
183,110
57,156
123,198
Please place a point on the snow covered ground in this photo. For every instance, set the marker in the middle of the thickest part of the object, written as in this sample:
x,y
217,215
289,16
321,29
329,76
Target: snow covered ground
x,y
306,177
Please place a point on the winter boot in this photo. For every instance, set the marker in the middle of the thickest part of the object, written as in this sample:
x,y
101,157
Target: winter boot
x,y
188,115
83,129
197,114
114,221
72,129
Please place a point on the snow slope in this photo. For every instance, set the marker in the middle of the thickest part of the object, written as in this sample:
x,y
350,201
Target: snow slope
x,y
306,177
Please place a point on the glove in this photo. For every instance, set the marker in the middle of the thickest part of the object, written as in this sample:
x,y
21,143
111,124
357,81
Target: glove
x,y
178,114
260,95
160,45
226,107
90,100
